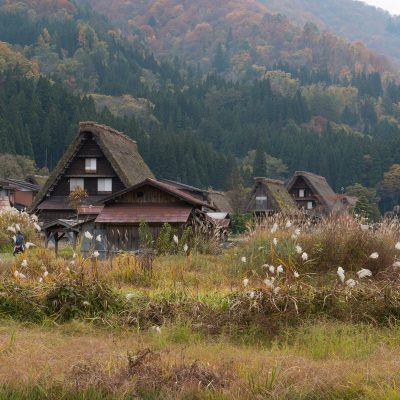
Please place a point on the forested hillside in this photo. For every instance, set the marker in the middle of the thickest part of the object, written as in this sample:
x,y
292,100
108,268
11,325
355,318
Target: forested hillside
x,y
353,20
336,114
234,35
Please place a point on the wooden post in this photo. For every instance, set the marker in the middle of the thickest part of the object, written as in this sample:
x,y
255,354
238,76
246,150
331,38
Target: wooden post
x,y
56,239
74,239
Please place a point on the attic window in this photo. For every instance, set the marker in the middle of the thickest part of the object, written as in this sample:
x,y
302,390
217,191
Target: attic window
x,y
90,164
302,192
74,183
140,195
310,205
261,202
104,185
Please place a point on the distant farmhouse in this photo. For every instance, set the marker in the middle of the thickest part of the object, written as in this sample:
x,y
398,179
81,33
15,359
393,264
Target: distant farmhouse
x,y
313,194
269,196
17,193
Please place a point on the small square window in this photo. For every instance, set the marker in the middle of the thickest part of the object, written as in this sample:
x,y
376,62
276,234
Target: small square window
x,y
104,185
140,195
302,193
90,164
74,183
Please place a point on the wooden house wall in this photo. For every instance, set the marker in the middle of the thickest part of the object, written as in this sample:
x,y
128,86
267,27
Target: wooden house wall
x,y
76,169
259,191
148,194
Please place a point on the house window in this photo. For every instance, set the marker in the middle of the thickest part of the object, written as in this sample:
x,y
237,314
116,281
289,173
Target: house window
x,y
104,185
310,205
261,202
90,164
302,192
74,183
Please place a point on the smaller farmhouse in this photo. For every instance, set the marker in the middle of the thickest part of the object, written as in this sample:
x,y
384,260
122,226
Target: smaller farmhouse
x,y
313,194
17,193
269,196
150,201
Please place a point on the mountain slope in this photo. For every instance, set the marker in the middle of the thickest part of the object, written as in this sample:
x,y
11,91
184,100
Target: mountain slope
x,y
233,35
350,19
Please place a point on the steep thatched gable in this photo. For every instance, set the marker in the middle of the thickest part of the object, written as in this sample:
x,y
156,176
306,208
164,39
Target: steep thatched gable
x,y
120,150
323,192
277,197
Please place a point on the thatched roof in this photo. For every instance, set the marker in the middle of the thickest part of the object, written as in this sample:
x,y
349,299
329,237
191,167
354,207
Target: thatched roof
x,y
120,150
279,198
220,200
320,186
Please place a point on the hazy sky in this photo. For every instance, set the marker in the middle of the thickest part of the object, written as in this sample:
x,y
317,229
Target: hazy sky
x,y
392,6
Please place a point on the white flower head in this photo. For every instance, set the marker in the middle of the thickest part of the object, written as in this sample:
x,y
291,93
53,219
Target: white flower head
x,y
37,226
288,224
274,228
299,250
340,272
243,260
279,270
46,273
269,283
363,273
30,244
275,241
185,248
72,262
176,240
130,296
304,256
364,227
16,273
252,295
296,274
11,229
34,218
271,269
96,254
21,276
17,227
297,232
74,255
86,303
88,235
40,280
351,283
98,238
245,282
374,256
24,263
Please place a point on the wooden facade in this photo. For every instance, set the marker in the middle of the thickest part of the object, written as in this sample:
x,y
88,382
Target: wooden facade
x,y
269,196
151,201
18,193
102,161
313,194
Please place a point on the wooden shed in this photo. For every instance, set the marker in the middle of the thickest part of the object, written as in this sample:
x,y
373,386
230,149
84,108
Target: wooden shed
x,y
150,201
269,196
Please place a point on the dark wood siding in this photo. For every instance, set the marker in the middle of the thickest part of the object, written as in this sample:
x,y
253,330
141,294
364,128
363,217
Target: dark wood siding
x,y
76,169
148,194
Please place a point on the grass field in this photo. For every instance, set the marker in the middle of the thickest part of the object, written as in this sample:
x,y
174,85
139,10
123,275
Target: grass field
x,y
209,326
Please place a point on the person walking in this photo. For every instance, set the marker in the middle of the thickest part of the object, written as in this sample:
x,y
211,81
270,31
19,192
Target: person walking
x,y
19,246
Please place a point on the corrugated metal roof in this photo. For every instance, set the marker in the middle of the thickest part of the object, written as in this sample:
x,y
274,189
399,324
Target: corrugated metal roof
x,y
150,213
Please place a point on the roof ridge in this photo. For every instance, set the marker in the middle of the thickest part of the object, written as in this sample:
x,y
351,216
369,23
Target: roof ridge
x,y
93,124
297,173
